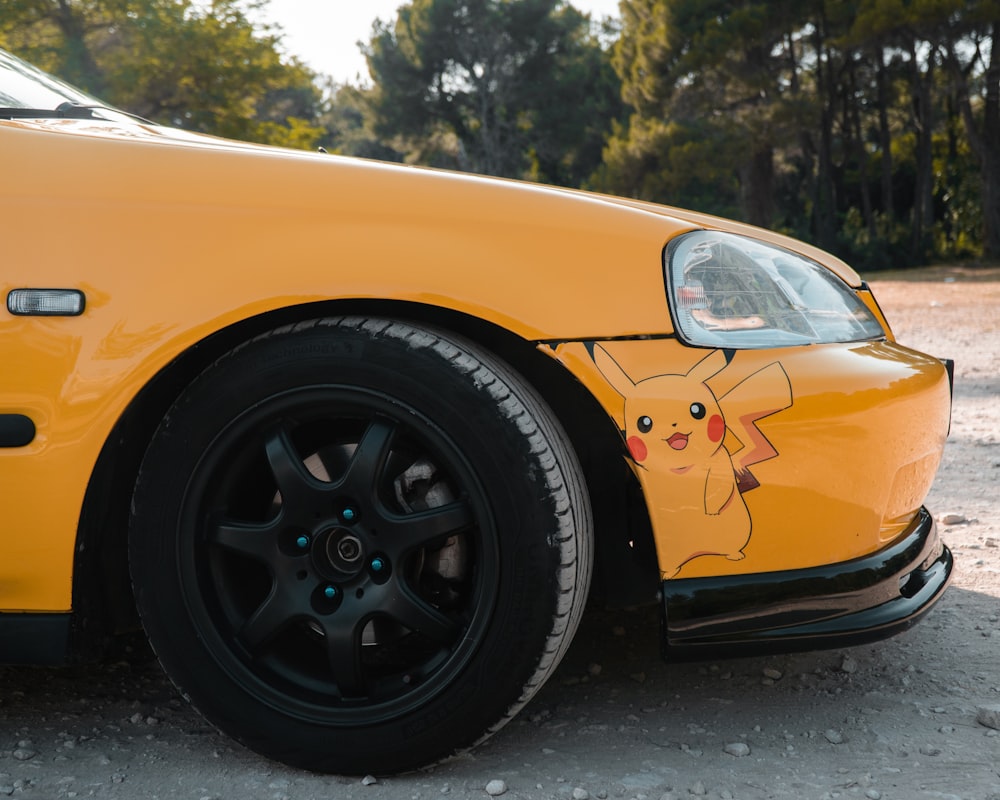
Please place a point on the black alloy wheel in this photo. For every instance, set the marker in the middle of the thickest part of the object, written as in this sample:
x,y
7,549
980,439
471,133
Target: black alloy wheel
x,y
359,545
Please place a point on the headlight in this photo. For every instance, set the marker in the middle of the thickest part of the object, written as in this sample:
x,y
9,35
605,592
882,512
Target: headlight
x,y
735,292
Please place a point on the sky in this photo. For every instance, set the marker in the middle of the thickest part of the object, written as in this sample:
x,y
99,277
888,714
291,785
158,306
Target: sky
x,y
324,33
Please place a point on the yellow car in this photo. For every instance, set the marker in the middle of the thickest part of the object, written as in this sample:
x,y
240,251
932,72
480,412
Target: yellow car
x,y
359,440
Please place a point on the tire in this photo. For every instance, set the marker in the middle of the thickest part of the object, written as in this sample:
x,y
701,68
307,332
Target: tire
x,y
359,546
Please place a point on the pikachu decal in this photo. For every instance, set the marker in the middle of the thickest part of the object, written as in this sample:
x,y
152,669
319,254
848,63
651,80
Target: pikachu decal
x,y
685,437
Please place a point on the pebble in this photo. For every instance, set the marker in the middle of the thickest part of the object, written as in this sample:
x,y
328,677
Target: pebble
x,y
698,789
989,716
773,674
952,518
24,754
369,780
833,737
737,749
495,788
580,794
849,665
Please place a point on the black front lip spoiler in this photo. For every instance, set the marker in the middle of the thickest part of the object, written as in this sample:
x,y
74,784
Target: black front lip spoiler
x,y
843,604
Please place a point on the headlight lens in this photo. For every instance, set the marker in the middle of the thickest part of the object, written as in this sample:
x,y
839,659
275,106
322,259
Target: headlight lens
x,y
735,292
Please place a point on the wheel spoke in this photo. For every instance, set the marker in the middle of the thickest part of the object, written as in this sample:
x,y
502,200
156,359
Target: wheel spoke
x,y
368,461
419,616
295,482
255,540
277,612
343,649
402,533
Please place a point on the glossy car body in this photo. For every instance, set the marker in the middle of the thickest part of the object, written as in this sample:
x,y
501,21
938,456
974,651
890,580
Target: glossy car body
x,y
798,522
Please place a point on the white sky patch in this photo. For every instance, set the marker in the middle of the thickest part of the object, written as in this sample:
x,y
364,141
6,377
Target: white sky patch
x,y
324,34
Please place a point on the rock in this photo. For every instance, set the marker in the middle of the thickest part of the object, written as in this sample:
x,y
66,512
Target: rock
x,y
989,716
952,518
495,788
369,780
849,665
580,794
833,737
737,749
773,674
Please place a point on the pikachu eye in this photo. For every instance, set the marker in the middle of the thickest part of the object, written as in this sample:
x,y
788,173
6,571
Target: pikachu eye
x,y
697,410
644,424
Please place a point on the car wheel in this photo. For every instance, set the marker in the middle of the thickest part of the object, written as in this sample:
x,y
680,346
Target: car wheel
x,y
358,545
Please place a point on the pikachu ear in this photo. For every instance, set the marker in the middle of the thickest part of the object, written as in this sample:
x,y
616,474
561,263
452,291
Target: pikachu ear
x,y
710,365
610,369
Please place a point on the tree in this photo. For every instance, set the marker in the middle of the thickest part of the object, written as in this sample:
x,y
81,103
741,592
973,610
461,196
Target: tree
x,y
517,88
976,79
202,67
838,119
717,71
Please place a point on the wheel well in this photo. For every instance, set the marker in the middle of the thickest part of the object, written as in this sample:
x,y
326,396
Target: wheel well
x,y
625,561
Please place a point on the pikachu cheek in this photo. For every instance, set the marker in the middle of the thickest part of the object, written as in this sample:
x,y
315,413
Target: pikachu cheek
x,y
637,448
716,428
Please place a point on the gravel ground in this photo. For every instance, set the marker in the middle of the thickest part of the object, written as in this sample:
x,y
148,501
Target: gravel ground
x,y
917,716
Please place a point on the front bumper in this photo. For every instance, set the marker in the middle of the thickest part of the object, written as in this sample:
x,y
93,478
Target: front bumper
x,y
843,604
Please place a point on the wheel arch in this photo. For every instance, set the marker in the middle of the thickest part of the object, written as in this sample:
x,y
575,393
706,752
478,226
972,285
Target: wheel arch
x,y
625,570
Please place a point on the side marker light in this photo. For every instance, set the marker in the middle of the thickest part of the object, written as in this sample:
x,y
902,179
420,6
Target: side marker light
x,y
46,302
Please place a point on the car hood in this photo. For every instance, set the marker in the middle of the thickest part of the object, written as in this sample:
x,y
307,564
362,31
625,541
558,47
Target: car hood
x,y
682,219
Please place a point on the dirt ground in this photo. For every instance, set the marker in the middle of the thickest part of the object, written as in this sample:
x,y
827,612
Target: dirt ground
x,y
913,717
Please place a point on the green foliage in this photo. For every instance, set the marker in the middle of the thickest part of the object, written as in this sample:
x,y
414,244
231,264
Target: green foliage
x,y
204,67
680,164
837,120
871,127
518,88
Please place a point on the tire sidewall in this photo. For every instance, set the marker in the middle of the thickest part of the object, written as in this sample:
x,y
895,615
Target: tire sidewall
x,y
465,401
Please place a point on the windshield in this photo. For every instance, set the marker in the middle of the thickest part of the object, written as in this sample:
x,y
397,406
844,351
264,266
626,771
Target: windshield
x,y
27,93
25,86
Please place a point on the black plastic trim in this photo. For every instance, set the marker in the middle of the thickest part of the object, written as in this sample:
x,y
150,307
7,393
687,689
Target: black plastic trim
x,y
34,638
848,603
16,430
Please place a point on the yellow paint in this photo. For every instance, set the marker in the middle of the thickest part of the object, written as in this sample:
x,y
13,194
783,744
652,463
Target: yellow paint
x,y
174,237
850,464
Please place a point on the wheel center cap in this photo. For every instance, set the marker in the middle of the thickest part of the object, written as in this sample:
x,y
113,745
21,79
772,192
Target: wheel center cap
x,y
344,551
349,548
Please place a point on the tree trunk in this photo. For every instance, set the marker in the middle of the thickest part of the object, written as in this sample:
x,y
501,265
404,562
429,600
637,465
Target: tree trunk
x,y
757,187
79,66
923,190
885,141
985,140
825,210
852,114
991,156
